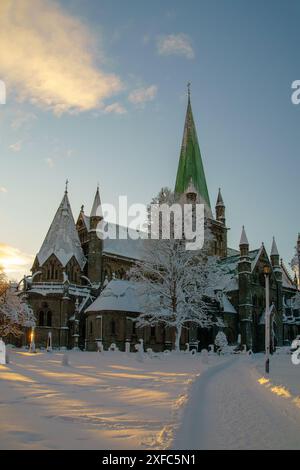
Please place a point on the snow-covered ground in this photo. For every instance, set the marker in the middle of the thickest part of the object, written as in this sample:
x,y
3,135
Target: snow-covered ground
x,y
101,401
235,406
114,401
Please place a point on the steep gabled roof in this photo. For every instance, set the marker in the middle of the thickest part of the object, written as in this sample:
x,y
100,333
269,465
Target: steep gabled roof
x,y
287,281
62,238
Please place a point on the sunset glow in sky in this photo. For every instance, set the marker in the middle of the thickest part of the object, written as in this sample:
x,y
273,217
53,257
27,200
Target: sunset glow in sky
x,y
96,91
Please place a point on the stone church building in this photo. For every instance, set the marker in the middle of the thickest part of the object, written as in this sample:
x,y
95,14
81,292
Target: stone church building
x,y
80,292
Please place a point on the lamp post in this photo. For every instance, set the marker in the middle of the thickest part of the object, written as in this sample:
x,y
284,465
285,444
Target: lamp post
x,y
32,343
267,271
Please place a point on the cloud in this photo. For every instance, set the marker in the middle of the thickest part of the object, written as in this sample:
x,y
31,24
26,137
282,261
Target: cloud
x,y
116,108
48,58
16,147
175,44
14,262
50,162
22,119
3,189
141,95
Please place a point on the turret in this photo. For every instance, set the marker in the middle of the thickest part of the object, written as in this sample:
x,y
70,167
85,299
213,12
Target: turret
x,y
274,255
244,244
95,242
220,209
275,261
245,294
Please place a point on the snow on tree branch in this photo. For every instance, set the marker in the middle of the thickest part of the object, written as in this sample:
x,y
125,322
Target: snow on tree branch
x,y
176,286
15,313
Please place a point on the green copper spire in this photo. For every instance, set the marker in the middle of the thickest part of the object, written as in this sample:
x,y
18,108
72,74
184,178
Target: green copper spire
x,y
190,168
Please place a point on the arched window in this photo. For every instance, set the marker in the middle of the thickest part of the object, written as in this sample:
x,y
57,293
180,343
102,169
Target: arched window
x,y
49,318
41,318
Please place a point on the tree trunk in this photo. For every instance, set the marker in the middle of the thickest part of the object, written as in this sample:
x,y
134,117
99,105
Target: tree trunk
x,y
177,337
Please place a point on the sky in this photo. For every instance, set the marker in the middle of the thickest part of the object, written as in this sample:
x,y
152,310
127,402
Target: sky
x,y
96,93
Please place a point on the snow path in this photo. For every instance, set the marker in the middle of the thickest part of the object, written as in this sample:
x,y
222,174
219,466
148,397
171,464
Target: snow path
x,y
100,401
229,409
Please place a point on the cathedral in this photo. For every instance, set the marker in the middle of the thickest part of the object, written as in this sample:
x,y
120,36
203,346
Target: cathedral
x,y
82,297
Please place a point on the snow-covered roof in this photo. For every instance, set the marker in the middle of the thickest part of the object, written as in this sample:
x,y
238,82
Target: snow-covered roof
x,y
286,278
227,305
62,238
127,243
232,252
118,295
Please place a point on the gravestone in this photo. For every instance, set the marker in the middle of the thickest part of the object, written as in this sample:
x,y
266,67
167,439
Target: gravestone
x,y
49,342
204,356
127,347
2,352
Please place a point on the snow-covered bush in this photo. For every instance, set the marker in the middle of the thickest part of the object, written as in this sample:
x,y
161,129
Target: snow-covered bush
x,y
221,342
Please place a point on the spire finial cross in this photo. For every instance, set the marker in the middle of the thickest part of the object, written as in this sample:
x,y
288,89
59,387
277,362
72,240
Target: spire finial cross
x,y
189,89
67,182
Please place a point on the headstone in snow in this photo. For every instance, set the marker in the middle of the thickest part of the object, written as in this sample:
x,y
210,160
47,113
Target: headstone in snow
x,y
211,349
187,348
113,347
49,342
65,360
2,352
149,352
127,347
140,351
204,356
100,347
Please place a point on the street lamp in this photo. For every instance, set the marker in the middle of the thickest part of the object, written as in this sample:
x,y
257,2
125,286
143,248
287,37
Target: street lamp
x,y
32,343
267,271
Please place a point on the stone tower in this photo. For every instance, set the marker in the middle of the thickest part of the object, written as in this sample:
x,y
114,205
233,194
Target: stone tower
x,y
191,184
95,243
245,295
275,261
